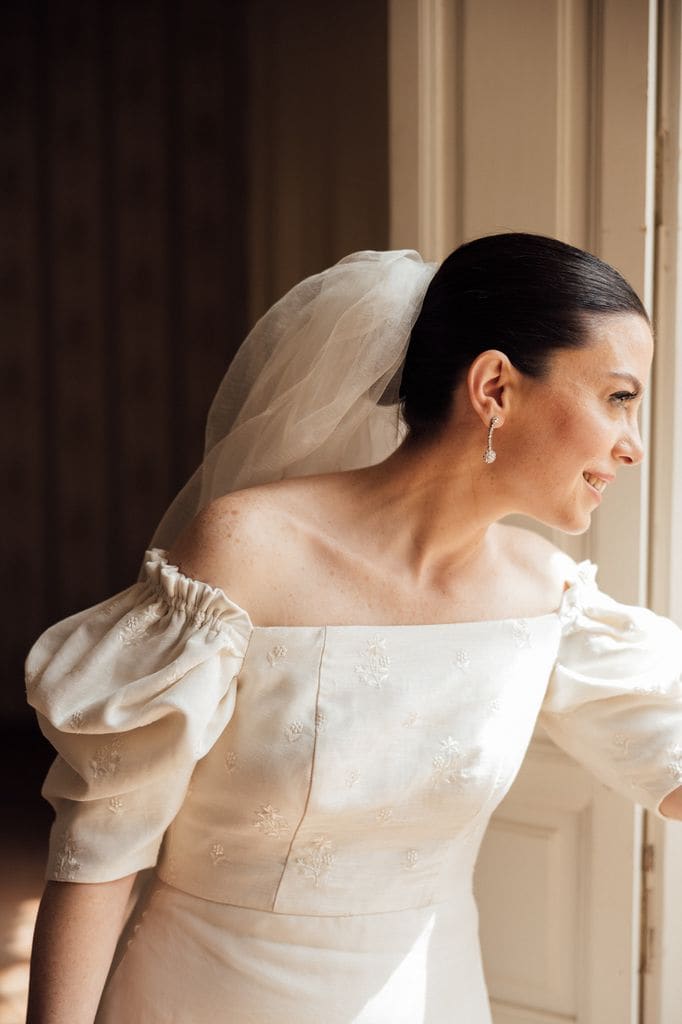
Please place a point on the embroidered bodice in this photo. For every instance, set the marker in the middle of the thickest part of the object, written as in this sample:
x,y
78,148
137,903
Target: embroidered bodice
x,y
330,770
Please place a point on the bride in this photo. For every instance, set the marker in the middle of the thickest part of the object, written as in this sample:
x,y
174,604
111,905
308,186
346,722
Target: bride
x,y
304,712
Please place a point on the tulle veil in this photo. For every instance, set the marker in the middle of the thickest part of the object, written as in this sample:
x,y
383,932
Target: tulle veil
x,y
314,385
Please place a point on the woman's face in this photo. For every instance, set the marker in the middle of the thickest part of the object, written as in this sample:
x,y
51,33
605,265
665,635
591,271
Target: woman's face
x,y
582,419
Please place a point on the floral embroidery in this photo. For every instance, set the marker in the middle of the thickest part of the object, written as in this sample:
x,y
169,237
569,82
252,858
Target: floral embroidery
x,y
411,859
67,865
352,777
586,573
375,671
135,626
384,814
410,719
175,673
462,659
294,731
270,821
111,606
521,633
495,705
320,720
106,759
76,720
622,741
447,765
569,616
317,859
230,761
215,631
115,805
218,855
198,616
278,652
647,690
675,766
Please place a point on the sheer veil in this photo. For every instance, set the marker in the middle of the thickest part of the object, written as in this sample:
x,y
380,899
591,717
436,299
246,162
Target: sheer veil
x,y
314,386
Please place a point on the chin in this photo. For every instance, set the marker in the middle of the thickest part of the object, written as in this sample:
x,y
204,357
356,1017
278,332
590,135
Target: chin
x,y
575,531
573,526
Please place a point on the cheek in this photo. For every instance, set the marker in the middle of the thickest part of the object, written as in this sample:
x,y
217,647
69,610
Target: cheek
x,y
578,426
567,441
568,425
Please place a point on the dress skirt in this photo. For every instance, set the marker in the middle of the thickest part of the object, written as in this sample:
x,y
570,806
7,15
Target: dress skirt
x,y
186,960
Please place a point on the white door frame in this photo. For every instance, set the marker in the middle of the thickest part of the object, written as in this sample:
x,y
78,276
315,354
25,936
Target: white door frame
x,y
662,989
630,201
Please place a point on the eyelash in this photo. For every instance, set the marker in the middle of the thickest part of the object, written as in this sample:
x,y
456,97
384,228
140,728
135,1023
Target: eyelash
x,y
623,396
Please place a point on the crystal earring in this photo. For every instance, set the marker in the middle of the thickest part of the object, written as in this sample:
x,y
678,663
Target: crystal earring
x,y
489,455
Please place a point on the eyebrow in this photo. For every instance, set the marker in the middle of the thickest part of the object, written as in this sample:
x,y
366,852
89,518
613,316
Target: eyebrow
x,y
628,376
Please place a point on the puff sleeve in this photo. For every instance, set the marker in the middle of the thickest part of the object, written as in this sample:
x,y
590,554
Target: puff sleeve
x,y
614,699
131,692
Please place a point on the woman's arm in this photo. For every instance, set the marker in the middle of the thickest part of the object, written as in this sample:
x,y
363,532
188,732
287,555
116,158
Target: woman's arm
x,y
76,932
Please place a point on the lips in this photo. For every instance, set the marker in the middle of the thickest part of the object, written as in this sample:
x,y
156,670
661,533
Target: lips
x,y
596,481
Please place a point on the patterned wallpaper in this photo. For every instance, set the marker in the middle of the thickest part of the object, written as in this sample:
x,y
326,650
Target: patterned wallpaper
x,y
125,201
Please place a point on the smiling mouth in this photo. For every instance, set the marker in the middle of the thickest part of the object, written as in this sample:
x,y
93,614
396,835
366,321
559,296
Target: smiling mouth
x,y
595,482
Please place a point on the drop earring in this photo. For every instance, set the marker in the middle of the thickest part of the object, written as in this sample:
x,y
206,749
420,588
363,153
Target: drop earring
x,y
489,455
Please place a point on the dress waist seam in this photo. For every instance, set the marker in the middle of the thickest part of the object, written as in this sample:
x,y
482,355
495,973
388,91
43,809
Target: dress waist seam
x,y
278,913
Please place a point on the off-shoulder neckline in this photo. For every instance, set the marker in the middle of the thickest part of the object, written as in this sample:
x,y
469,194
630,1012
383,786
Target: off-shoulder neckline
x,y
585,566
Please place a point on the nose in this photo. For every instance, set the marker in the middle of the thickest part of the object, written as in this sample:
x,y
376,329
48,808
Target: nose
x,y
629,449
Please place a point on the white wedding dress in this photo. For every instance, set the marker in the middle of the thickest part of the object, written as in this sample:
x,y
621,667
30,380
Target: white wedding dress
x,y
314,797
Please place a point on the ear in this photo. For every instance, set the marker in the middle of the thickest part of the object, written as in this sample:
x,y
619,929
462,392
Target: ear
x,y
490,383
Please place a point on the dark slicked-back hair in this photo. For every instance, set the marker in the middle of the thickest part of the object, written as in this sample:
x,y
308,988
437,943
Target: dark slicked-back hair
x,y
524,294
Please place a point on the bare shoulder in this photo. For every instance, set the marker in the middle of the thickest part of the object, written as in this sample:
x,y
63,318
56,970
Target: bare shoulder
x,y
253,543
538,558
228,542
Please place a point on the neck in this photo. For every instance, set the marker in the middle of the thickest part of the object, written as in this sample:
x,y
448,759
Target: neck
x,y
432,504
